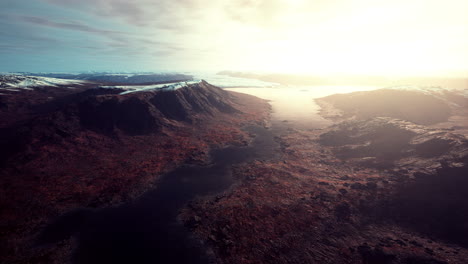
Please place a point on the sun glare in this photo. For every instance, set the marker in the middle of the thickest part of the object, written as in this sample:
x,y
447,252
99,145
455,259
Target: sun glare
x,y
375,38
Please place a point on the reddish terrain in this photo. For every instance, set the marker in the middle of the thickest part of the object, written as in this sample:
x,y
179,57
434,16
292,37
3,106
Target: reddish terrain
x,y
385,184
376,188
65,148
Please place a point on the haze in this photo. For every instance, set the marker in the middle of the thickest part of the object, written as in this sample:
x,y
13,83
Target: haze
x,y
398,38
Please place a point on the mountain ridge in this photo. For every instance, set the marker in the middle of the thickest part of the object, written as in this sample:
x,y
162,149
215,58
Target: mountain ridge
x,y
94,147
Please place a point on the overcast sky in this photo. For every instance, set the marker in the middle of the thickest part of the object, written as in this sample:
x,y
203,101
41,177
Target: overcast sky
x,y
393,37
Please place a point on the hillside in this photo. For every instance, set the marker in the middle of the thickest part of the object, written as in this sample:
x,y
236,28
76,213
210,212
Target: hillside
x,y
69,147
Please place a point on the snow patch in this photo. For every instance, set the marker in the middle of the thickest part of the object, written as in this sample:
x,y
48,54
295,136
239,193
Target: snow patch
x,y
163,87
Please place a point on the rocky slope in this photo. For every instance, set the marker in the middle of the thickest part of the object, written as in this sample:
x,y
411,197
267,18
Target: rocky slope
x,y
66,147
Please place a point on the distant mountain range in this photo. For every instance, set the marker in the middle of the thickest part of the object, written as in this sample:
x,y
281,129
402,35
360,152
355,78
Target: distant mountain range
x,y
118,78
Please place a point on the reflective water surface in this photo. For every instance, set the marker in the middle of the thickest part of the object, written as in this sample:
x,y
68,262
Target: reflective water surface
x,y
296,104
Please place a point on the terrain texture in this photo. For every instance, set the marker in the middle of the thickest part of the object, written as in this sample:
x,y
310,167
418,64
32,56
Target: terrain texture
x,y
385,184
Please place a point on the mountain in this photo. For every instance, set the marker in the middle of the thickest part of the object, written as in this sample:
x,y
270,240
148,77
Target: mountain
x,y
427,106
14,82
121,78
78,144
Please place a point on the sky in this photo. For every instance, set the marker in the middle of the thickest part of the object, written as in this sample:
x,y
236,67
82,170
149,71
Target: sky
x,y
320,37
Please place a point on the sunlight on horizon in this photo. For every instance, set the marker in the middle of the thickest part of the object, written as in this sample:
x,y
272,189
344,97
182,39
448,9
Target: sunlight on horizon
x,y
296,103
398,38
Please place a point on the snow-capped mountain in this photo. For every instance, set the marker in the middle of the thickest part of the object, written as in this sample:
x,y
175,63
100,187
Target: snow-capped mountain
x,y
15,82
119,78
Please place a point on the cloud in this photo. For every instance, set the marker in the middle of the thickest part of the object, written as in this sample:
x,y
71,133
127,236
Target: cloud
x,y
182,15
262,13
145,13
26,47
257,33
27,38
65,25
118,39
15,38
